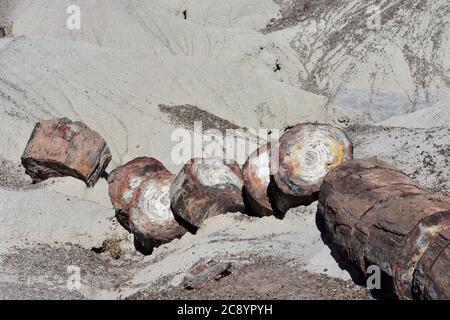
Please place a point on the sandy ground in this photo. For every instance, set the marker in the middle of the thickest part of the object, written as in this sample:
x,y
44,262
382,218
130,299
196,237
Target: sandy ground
x,y
266,279
138,70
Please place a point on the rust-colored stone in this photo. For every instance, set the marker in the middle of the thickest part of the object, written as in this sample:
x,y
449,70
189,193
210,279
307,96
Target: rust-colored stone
x,y
151,219
205,188
256,173
374,214
204,271
123,182
59,147
306,153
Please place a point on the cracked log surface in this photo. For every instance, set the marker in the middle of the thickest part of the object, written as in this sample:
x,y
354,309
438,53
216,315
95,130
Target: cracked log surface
x,y
306,153
374,214
256,173
60,147
151,219
123,182
205,188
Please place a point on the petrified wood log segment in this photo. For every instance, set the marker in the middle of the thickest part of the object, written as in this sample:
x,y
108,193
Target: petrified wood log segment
x,y
205,188
431,279
306,153
151,219
374,214
256,173
59,147
123,182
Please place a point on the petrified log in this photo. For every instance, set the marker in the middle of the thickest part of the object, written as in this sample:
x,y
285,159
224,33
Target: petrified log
x,y
205,188
204,271
374,214
123,182
60,147
306,153
256,173
151,219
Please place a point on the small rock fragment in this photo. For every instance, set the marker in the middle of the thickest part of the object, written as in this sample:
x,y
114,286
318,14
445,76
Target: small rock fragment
x,y
5,28
60,147
204,271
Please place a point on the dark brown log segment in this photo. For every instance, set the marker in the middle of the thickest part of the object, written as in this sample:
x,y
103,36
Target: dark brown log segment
x,y
123,182
205,188
374,214
256,173
151,219
431,279
59,147
306,153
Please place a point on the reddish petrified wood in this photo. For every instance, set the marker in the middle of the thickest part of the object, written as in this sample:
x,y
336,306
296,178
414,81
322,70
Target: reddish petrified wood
x,y
374,214
204,271
60,147
123,182
151,219
306,153
205,188
256,173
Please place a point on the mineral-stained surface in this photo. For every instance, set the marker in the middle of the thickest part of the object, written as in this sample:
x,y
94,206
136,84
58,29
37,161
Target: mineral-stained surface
x,y
60,147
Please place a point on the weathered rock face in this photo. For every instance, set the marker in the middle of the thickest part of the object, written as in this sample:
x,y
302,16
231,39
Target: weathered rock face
x,y
125,180
151,219
306,153
374,214
207,187
256,173
60,147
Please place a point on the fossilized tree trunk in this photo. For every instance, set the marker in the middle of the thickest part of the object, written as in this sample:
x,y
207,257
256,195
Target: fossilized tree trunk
x,y
374,214
256,173
151,219
205,188
306,153
60,147
123,182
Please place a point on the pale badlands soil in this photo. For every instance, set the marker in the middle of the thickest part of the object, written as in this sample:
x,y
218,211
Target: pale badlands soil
x,y
42,274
